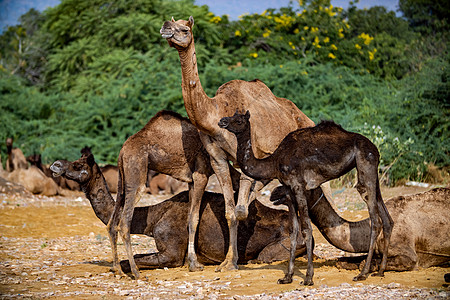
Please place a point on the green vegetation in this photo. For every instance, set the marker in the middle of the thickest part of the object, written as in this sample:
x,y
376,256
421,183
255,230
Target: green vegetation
x,y
94,72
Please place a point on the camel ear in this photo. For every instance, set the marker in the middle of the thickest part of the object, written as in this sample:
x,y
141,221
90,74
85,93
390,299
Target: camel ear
x,y
173,20
191,22
90,160
247,114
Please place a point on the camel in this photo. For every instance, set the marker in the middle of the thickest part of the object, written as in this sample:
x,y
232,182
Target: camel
x,y
168,144
419,237
304,160
205,112
16,159
263,236
35,181
166,184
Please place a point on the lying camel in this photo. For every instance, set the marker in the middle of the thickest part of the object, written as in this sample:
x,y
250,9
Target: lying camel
x,y
419,237
35,181
16,159
263,236
166,184
307,158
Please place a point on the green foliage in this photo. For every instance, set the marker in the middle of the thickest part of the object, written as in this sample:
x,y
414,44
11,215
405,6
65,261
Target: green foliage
x,y
94,72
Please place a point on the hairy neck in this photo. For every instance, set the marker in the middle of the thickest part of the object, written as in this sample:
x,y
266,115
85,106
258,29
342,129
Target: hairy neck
x,y
197,103
345,235
96,190
251,166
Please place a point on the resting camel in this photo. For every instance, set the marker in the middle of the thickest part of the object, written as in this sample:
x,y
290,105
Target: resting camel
x,y
35,181
304,160
168,144
16,159
263,237
205,112
419,237
166,184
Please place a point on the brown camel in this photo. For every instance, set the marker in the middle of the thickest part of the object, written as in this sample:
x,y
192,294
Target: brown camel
x,y
168,144
274,118
166,184
304,160
263,237
419,237
35,181
16,159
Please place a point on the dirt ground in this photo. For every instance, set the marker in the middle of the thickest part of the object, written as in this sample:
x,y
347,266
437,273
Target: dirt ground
x,y
56,247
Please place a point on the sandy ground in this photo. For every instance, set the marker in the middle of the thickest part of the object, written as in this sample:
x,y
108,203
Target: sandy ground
x,y
56,247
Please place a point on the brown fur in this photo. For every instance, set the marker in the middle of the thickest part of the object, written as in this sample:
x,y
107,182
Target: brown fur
x,y
419,237
168,144
166,184
35,181
16,159
264,236
304,160
205,112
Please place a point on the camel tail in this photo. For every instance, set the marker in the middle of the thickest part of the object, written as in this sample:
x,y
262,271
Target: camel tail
x,y
120,185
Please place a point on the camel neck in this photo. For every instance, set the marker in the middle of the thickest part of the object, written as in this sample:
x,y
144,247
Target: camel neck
x,y
251,166
345,235
96,190
198,105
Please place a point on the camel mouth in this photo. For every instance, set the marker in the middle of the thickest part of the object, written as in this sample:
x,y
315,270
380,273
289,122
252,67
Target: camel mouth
x,y
223,123
165,32
56,170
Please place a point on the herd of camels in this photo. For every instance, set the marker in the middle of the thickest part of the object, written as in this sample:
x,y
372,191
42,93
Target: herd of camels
x,y
246,126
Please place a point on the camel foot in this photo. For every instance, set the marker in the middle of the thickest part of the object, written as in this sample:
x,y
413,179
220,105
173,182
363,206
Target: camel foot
x,y
241,213
308,281
117,271
378,274
195,266
360,277
285,280
227,266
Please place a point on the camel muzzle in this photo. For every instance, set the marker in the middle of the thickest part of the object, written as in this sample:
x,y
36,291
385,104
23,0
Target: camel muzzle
x,y
166,32
223,123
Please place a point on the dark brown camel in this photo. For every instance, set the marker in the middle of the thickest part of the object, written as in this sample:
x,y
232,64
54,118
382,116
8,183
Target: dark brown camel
x,y
110,172
16,159
168,144
419,237
263,236
304,160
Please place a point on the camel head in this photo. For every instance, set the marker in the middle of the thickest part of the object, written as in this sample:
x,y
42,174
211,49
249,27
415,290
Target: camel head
x,y
178,33
80,170
237,123
35,159
9,142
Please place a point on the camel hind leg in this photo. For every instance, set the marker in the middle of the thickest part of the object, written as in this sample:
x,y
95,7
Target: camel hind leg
x,y
196,190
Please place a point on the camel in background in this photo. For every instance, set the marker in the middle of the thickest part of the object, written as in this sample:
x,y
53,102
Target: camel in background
x,y
16,159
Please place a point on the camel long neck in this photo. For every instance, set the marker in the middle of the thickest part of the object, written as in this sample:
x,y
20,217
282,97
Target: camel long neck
x,y
198,105
251,166
96,190
345,235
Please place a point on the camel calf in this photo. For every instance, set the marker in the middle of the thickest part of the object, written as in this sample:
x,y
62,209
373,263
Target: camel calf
x,y
307,158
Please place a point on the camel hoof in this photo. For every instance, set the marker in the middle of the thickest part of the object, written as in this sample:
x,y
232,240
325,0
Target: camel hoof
x,y
241,212
308,282
378,274
195,267
227,266
360,277
285,280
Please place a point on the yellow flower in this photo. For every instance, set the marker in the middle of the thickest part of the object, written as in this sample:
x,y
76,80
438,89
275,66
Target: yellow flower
x,y
357,46
215,19
326,39
302,38
340,34
304,73
296,30
254,55
316,40
306,28
367,38
281,66
266,33
331,55
333,46
314,29
237,33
